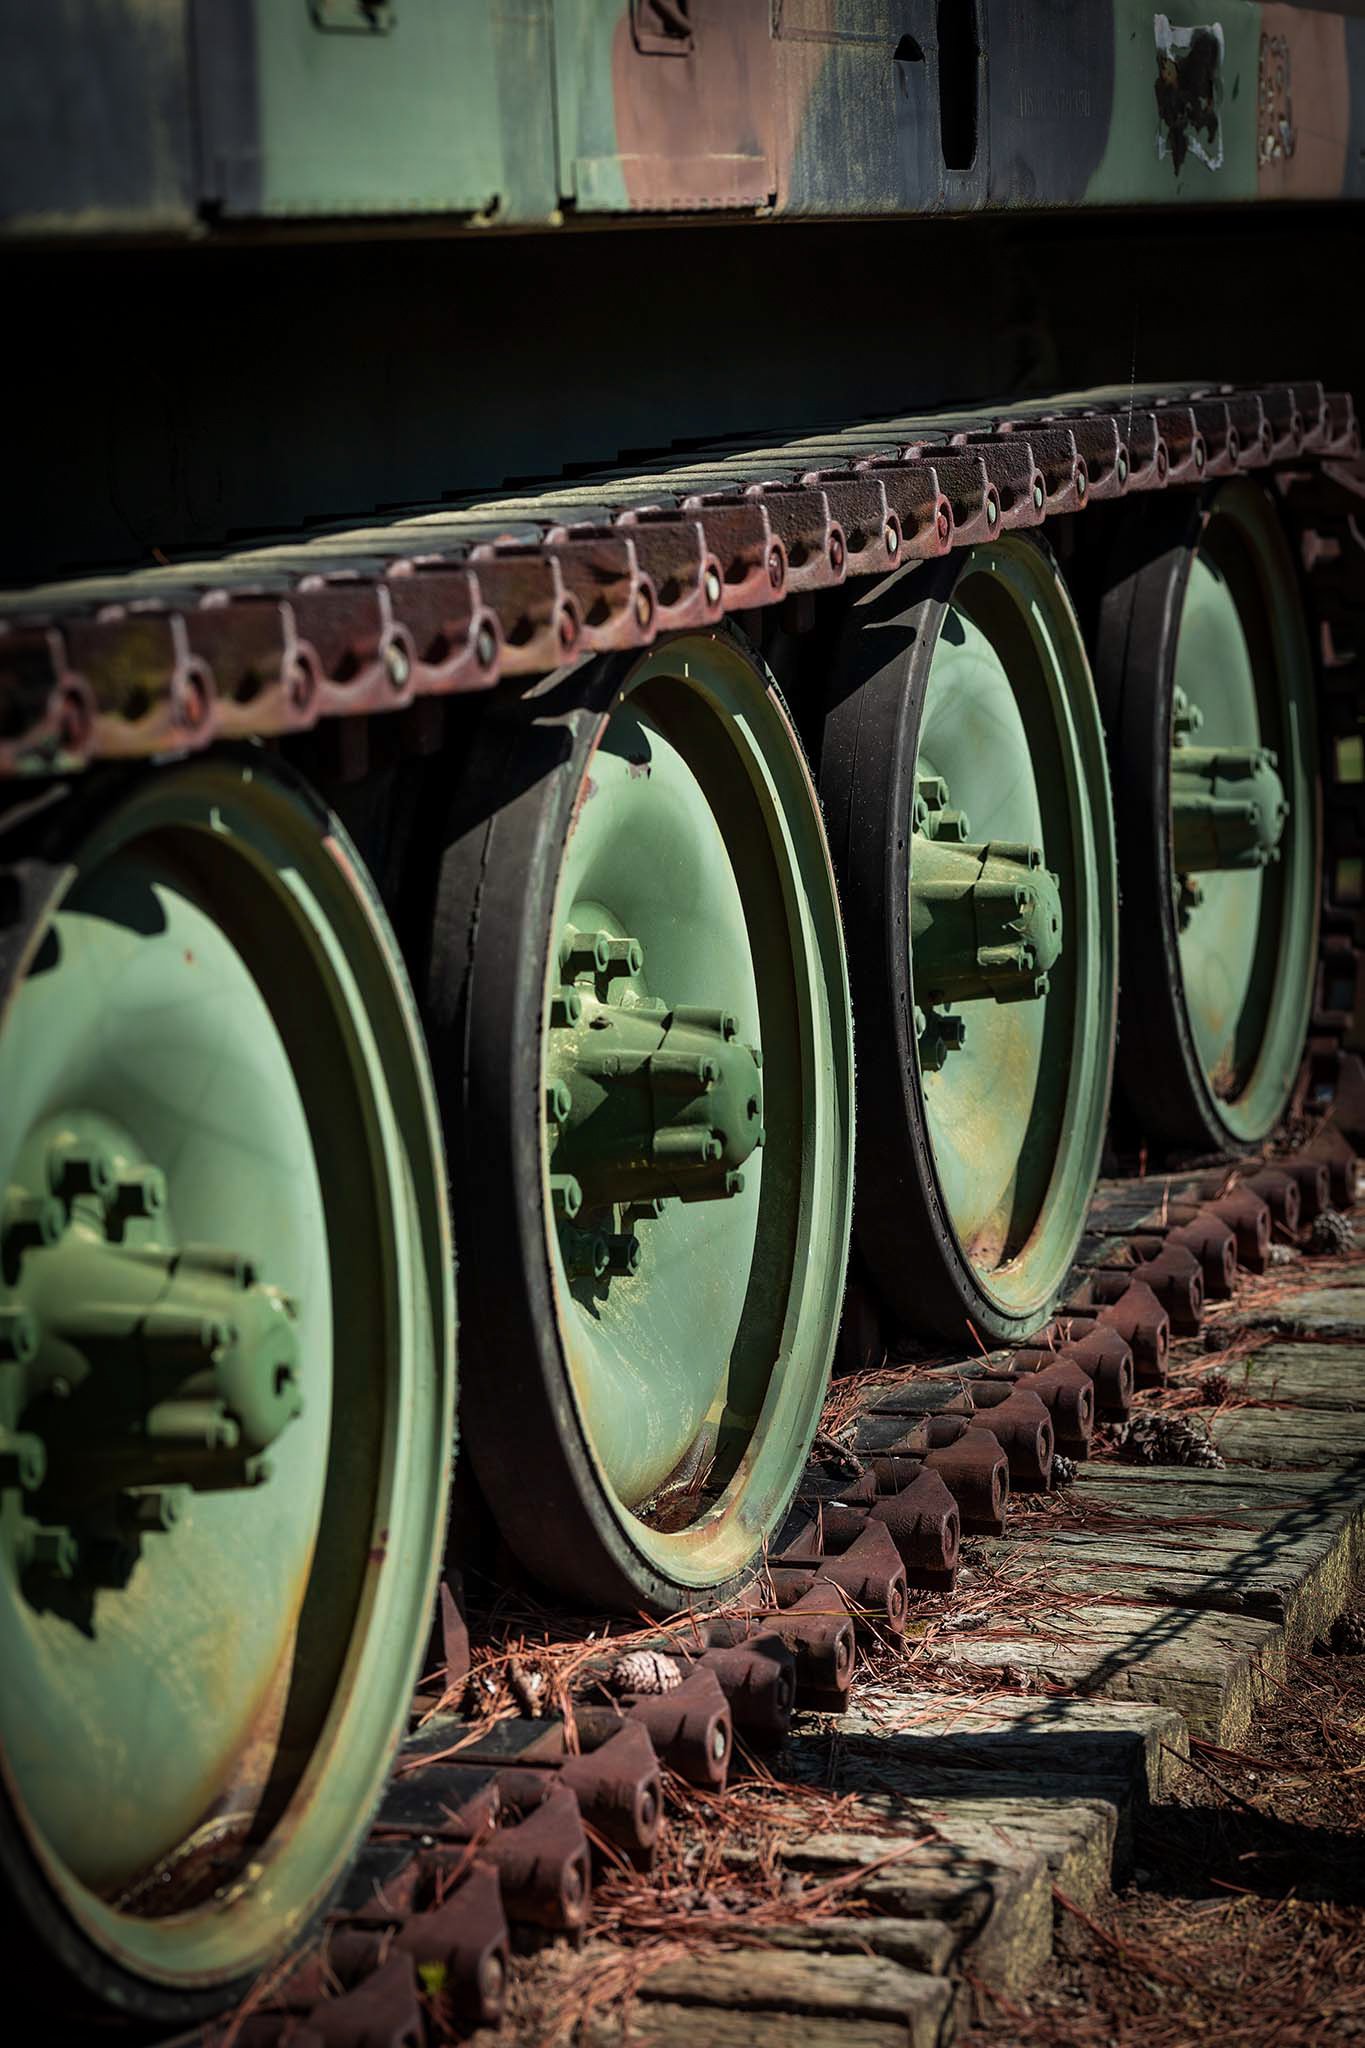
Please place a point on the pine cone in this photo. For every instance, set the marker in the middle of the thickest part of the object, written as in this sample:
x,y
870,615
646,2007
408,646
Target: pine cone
x,y
1331,1232
1348,1634
645,1671
1063,1470
1156,1438
1214,1386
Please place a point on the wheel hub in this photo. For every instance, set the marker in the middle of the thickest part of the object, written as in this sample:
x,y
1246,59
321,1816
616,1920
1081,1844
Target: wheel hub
x,y
1228,806
646,1102
985,921
135,1369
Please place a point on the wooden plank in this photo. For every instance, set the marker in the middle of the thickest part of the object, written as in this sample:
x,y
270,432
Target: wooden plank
x,y
1288,1437
999,1902
926,1945
1209,1667
1296,1570
1304,1374
1074,1836
1336,1311
849,1987
644,2024
1112,1741
1202,1488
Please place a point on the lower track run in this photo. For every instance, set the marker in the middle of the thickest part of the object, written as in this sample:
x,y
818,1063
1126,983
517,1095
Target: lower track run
x,y
990,1630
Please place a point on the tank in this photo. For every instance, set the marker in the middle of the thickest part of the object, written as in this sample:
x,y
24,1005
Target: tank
x,y
664,667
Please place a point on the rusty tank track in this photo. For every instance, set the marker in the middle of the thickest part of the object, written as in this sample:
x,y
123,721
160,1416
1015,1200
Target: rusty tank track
x,y
434,601
492,1829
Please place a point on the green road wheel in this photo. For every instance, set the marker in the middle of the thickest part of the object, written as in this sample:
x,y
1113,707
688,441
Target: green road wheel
x,y
226,1380
638,1014
1206,684
965,789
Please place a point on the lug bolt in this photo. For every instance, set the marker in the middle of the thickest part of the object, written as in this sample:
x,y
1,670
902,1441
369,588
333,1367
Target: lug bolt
x,y
586,950
18,1335
711,586
585,1254
218,1262
51,1548
734,1183
623,1253
1082,484
23,1460
1122,467
891,539
31,1220
558,1102
152,1510
1038,494
644,609
992,509
141,1192
74,1168
566,1008
566,1196
627,957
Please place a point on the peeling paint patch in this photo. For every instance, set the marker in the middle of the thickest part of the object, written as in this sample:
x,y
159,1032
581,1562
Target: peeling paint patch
x,y
1189,92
